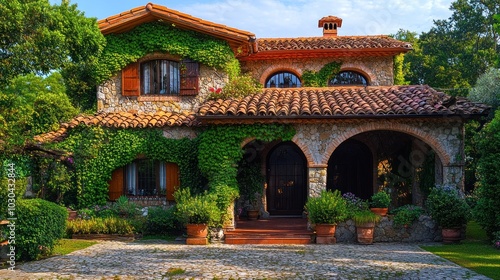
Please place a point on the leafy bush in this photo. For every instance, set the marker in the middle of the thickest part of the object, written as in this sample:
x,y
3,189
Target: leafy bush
x,y
365,216
354,204
487,209
18,192
200,209
238,87
380,200
39,225
125,208
328,208
487,88
161,220
109,225
406,214
447,208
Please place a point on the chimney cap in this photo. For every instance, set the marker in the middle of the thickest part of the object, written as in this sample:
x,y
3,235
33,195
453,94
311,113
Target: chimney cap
x,y
328,19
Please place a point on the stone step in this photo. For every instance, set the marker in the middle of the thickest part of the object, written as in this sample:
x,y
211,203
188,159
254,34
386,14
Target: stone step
x,y
267,238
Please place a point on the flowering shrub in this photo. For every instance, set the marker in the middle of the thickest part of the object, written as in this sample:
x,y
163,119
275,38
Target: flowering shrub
x,y
354,203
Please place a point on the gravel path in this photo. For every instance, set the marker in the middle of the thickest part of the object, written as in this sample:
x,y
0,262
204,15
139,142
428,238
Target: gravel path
x,y
161,260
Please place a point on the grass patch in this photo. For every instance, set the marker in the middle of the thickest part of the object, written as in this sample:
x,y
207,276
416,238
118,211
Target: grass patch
x,y
166,237
66,246
475,253
173,271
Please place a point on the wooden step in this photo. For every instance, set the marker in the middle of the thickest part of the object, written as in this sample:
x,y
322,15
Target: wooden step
x,y
270,231
267,238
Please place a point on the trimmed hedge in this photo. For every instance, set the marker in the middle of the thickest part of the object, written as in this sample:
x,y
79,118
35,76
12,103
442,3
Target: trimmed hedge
x,y
39,225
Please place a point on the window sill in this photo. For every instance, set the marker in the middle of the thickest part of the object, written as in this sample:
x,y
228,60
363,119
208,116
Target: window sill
x,y
158,98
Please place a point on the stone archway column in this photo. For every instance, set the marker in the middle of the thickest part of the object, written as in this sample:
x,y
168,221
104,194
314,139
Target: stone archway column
x,y
317,179
454,175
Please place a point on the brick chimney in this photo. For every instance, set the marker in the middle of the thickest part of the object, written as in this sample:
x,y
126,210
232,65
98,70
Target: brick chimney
x,y
330,25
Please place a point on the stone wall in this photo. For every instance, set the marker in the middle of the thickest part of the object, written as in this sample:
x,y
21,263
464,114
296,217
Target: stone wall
x,y
378,70
110,99
423,230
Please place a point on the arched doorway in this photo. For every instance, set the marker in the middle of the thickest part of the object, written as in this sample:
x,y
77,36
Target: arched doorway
x,y
286,180
350,169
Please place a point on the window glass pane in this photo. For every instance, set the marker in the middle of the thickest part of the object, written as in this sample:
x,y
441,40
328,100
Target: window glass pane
x,y
348,78
146,177
160,77
283,80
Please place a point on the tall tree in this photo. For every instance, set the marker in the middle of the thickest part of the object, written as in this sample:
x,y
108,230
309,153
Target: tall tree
x,y
37,37
456,51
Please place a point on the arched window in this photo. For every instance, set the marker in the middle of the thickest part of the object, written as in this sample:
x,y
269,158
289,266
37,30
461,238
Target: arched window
x,y
160,77
283,80
348,78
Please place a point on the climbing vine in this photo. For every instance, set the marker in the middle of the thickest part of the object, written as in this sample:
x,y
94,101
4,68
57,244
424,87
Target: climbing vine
x,y
122,49
97,151
321,78
220,150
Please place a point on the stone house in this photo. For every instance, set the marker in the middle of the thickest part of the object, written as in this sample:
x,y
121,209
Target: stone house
x,y
348,133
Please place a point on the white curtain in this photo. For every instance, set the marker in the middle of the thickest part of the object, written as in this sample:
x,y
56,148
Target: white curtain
x,y
131,178
163,177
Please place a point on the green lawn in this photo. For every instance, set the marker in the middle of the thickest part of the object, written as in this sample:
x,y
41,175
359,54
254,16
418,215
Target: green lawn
x,y
475,253
66,246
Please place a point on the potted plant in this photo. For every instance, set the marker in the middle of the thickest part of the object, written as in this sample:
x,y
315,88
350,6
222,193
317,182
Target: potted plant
x,y
251,184
407,214
197,213
379,203
325,211
365,221
449,210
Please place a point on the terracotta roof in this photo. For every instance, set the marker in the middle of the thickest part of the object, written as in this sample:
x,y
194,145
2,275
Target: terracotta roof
x,y
338,46
120,120
126,21
341,102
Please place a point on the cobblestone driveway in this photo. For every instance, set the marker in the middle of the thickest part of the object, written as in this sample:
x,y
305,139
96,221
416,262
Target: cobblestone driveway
x,y
159,260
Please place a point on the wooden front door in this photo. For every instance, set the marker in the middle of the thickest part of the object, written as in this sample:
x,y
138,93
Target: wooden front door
x,y
286,180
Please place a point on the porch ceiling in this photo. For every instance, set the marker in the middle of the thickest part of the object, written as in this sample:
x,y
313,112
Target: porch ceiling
x,y
342,102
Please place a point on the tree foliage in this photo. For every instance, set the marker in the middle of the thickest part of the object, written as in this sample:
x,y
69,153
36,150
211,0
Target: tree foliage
x,y
487,88
455,52
36,37
487,210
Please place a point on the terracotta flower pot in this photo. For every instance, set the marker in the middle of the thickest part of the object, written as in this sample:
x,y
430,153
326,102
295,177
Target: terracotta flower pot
x,y
325,233
253,214
197,230
380,211
451,235
365,233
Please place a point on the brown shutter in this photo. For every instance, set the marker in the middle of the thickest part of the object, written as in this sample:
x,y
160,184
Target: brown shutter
x,y
189,77
130,80
173,181
116,184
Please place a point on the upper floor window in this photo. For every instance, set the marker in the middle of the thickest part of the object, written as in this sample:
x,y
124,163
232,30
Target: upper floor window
x,y
160,77
283,80
348,78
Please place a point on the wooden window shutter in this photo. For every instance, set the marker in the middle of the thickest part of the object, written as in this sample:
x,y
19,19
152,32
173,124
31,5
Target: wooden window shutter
x,y
190,72
130,80
173,181
116,184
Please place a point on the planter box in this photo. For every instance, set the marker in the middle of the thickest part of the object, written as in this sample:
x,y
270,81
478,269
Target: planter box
x,y
113,237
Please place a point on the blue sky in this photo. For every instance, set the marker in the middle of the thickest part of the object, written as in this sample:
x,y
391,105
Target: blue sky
x,y
293,18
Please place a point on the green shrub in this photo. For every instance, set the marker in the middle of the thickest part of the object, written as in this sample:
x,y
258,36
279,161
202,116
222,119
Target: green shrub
x,y
407,214
238,87
487,209
328,208
200,209
18,192
447,208
161,220
125,208
380,200
109,225
365,216
39,225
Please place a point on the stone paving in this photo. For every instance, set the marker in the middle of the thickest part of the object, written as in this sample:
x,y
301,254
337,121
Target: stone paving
x,y
162,260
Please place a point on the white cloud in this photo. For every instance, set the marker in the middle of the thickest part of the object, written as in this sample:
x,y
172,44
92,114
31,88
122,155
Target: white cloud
x,y
281,18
